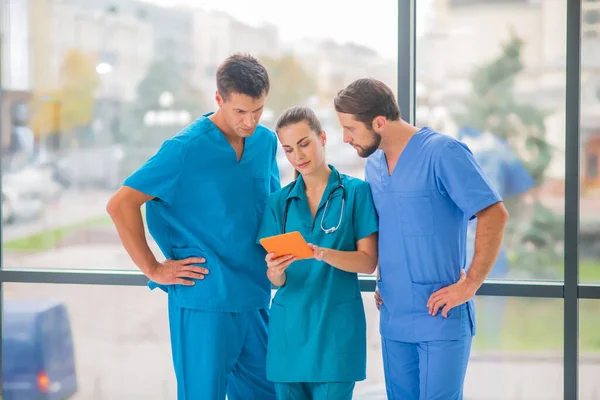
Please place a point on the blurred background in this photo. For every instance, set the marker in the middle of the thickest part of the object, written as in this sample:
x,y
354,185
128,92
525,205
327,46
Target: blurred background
x,y
91,88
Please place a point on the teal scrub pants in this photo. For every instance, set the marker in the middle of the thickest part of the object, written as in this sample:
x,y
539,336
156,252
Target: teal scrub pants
x,y
219,353
314,391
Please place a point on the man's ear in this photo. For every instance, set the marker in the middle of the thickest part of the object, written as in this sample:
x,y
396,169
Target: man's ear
x,y
219,98
379,123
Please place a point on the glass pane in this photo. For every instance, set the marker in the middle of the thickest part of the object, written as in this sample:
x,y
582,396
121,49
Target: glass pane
x,y
518,350
589,349
110,342
589,250
102,342
373,388
90,91
492,74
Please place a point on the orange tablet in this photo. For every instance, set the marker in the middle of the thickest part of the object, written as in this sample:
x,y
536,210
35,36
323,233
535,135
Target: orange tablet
x,y
291,243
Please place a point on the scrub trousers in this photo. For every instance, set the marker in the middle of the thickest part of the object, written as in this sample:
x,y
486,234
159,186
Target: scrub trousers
x,y
314,391
218,354
432,370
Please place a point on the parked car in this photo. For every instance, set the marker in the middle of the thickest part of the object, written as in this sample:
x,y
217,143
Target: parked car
x,y
19,205
97,167
32,180
38,361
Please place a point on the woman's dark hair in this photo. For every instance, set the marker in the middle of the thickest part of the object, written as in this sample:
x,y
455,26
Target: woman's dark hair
x,y
296,115
243,74
366,99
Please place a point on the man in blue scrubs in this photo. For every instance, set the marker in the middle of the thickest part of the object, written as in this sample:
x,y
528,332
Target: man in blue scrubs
x,y
426,187
205,191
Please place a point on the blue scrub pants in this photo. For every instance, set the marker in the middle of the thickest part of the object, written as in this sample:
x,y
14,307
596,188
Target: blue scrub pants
x,y
314,391
428,370
219,353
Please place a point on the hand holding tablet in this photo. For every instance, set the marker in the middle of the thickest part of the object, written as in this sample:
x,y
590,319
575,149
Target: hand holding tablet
x,y
291,243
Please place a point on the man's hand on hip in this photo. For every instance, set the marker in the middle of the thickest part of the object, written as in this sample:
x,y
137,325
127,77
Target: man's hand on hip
x,y
451,296
378,300
178,272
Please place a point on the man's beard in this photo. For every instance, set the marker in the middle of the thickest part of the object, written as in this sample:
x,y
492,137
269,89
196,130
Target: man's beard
x,y
366,151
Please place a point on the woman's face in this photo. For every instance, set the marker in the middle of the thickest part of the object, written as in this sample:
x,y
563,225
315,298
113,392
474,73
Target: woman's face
x,y
303,147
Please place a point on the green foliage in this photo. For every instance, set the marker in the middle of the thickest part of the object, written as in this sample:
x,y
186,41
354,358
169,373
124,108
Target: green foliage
x,y
493,106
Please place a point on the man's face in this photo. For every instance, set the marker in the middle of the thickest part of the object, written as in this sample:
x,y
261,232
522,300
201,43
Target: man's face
x,y
241,113
360,136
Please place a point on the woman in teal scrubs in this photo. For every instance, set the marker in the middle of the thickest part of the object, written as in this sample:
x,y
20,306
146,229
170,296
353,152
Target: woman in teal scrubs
x,y
317,328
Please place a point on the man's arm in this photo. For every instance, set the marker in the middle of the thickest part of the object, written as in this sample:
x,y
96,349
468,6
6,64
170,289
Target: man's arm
x,y
488,240
461,179
124,209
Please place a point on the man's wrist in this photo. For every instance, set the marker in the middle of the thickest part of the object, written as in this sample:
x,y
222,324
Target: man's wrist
x,y
150,269
472,285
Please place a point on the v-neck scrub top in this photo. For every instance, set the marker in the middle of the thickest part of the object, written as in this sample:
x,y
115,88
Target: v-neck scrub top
x,y
317,328
424,207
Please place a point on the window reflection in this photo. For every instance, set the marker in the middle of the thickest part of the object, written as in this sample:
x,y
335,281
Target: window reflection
x,y
501,90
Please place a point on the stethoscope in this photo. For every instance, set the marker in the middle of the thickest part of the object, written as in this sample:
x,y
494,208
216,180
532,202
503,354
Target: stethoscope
x,y
326,230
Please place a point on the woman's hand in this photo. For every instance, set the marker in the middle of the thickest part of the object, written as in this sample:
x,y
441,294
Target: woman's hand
x,y
276,267
318,252
279,264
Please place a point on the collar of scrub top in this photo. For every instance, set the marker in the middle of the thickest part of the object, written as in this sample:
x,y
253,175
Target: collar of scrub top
x,y
216,135
334,181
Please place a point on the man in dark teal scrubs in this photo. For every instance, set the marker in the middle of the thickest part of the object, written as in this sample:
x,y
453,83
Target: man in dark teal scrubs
x,y
205,191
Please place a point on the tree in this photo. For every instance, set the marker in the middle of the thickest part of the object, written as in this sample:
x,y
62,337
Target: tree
x,y
493,107
291,84
71,106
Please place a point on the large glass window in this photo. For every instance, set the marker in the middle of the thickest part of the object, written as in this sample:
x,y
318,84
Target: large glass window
x,y
492,74
108,82
90,89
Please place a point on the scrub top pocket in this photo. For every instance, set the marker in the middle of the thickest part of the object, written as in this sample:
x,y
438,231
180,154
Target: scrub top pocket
x,y
350,325
416,213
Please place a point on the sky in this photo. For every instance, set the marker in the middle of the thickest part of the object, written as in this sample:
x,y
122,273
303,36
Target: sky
x,y
374,26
